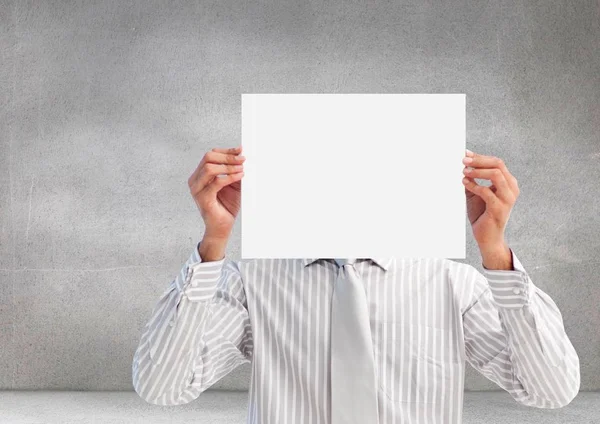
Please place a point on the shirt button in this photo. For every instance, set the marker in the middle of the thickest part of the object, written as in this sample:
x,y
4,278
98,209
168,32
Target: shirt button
x,y
516,290
171,324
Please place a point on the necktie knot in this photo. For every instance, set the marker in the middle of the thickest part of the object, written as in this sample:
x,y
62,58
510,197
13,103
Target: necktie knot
x,y
341,262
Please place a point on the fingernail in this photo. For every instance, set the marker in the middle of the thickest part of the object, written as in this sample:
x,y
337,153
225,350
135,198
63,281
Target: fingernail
x,y
469,153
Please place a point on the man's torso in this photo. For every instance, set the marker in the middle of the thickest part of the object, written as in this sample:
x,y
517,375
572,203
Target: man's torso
x,y
415,310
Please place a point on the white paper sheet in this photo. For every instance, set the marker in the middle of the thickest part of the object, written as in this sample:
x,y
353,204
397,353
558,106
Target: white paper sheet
x,y
353,175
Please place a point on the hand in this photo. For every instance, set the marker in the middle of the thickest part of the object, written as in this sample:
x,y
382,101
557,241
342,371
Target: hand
x,y
489,208
218,198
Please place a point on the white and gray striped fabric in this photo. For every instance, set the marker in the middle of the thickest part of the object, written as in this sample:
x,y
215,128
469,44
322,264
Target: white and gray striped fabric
x,y
428,318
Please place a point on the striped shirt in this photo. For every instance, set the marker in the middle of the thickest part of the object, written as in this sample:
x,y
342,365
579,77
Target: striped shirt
x,y
428,317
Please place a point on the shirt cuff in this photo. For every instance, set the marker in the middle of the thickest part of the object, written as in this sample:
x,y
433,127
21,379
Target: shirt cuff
x,y
510,289
198,280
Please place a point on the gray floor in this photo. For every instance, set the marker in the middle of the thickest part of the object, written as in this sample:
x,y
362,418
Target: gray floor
x,y
37,407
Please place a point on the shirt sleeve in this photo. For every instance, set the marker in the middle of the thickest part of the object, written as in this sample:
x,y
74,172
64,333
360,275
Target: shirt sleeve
x,y
514,336
198,332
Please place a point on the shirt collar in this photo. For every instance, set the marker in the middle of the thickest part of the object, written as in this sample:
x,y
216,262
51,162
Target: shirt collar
x,y
382,262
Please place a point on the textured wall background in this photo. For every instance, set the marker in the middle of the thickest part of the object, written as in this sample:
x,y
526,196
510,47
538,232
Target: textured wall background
x,y
107,108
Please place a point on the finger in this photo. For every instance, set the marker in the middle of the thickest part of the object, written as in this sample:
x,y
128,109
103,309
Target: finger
x,y
210,171
485,193
483,161
496,176
219,182
219,157
228,150
470,194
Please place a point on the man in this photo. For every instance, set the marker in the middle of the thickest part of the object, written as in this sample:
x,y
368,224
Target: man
x,y
423,319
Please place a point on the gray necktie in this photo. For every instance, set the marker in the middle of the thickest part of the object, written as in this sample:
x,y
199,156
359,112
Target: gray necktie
x,y
353,385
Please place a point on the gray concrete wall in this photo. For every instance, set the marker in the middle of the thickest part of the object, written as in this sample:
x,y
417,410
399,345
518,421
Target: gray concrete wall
x,y
107,107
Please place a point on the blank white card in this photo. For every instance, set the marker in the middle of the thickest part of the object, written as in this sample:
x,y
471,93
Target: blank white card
x,y
353,175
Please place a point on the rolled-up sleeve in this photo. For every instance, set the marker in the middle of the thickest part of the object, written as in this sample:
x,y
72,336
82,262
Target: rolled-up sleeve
x,y
514,335
198,332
